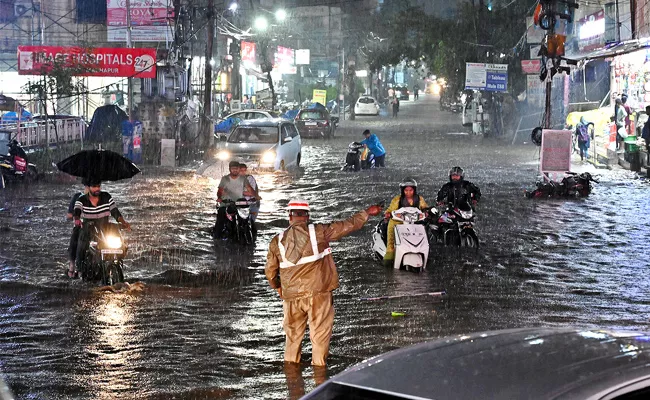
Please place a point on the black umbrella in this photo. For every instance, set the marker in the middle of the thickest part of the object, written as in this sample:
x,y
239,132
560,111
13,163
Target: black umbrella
x,y
103,165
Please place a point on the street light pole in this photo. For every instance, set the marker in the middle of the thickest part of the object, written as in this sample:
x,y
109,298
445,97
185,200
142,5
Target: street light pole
x,y
207,95
129,44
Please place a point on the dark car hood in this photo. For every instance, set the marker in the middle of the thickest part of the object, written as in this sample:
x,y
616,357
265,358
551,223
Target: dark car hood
x,y
541,363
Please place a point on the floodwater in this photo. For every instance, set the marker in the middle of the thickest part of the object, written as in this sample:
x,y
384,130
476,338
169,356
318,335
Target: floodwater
x,y
207,326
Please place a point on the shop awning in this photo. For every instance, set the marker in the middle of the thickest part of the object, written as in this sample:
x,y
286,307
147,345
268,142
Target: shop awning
x,y
257,74
612,50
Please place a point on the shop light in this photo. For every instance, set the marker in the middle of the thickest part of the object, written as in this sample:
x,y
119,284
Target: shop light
x,y
592,28
362,73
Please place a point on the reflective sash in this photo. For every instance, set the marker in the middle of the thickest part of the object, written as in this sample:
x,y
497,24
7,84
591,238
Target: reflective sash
x,y
314,247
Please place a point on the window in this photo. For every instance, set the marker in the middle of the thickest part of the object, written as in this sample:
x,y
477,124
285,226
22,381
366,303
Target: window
x,y
294,131
286,132
91,11
311,115
366,100
254,134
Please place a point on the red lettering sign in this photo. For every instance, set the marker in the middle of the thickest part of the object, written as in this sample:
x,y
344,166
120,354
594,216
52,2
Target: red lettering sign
x,y
531,66
117,62
248,52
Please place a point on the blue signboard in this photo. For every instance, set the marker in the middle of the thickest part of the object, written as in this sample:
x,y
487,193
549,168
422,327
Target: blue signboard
x,y
488,77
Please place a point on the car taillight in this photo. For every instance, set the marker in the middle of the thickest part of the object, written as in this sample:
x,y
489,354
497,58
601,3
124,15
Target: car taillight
x,y
327,123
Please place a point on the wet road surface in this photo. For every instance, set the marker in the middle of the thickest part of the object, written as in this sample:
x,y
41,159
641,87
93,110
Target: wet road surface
x,y
206,325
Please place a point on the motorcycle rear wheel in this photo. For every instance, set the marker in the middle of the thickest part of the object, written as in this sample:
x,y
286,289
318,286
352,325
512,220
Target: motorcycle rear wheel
x,y
452,238
112,274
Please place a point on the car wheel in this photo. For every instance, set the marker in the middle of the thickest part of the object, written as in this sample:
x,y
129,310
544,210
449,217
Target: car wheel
x,y
282,166
298,160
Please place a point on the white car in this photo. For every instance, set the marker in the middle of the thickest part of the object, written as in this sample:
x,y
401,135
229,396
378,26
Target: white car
x,y
263,143
366,105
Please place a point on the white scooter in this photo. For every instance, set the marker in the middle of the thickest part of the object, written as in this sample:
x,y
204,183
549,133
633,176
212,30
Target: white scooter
x,y
411,242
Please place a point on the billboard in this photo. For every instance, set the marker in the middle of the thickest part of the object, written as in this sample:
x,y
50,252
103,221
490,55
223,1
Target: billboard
x,y
285,60
531,66
591,31
248,52
302,57
116,62
555,156
488,77
149,20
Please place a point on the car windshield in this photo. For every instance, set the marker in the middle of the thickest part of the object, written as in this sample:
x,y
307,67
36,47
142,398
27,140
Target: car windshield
x,y
311,115
366,100
254,134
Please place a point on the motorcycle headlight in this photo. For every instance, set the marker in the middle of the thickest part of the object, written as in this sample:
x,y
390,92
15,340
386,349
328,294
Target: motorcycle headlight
x,y
244,213
114,242
223,155
268,157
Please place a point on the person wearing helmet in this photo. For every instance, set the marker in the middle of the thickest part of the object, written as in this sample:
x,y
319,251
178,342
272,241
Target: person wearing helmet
x,y
93,208
408,197
458,192
300,266
231,188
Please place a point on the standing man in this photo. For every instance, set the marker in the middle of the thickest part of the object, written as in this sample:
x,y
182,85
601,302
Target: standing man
x,y
373,144
231,187
300,266
74,239
645,132
416,92
628,110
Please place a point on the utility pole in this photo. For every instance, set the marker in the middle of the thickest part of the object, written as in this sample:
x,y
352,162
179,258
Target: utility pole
x,y
129,44
207,94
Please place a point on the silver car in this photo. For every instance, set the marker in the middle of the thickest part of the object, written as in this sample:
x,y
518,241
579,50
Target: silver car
x,y
536,363
263,143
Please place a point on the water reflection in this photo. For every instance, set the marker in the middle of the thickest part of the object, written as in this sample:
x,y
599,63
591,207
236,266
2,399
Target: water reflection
x,y
293,373
114,344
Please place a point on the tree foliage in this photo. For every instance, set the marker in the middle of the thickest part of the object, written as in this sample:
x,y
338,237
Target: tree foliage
x,y
477,34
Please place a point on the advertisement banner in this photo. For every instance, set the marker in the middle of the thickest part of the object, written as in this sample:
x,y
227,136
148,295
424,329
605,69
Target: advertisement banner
x,y
150,20
555,156
488,77
534,52
116,62
534,91
302,57
140,34
248,52
285,61
591,31
531,66
143,12
319,96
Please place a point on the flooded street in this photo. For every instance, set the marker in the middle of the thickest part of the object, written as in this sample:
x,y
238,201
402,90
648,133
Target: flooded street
x,y
207,325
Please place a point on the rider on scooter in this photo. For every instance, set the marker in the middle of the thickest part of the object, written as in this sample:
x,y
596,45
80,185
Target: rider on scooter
x,y
407,198
458,192
231,187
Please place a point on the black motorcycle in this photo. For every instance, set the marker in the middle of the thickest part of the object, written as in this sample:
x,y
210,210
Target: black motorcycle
x,y
572,185
239,226
104,260
14,166
354,160
453,227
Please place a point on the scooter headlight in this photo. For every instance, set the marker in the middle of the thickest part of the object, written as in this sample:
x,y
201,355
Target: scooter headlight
x,y
268,157
114,242
223,155
244,212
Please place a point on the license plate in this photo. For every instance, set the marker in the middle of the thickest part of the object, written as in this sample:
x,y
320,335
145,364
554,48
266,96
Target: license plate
x,y
311,123
111,251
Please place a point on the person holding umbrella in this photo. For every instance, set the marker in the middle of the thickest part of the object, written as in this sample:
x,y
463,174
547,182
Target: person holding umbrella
x,y
94,208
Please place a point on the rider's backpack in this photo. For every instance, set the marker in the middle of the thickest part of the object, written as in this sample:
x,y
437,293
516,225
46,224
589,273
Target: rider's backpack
x,y
583,133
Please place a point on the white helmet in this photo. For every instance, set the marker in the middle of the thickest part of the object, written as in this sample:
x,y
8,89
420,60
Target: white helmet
x,y
298,204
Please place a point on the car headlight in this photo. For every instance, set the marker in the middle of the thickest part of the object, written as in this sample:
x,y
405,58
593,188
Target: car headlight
x,y
223,155
268,157
114,242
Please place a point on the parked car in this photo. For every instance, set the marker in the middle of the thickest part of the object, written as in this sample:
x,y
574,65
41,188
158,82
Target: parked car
x,y
536,363
402,92
315,122
225,125
366,105
263,143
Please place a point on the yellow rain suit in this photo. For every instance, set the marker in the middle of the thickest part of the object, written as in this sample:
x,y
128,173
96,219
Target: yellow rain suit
x,y
390,240
300,262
